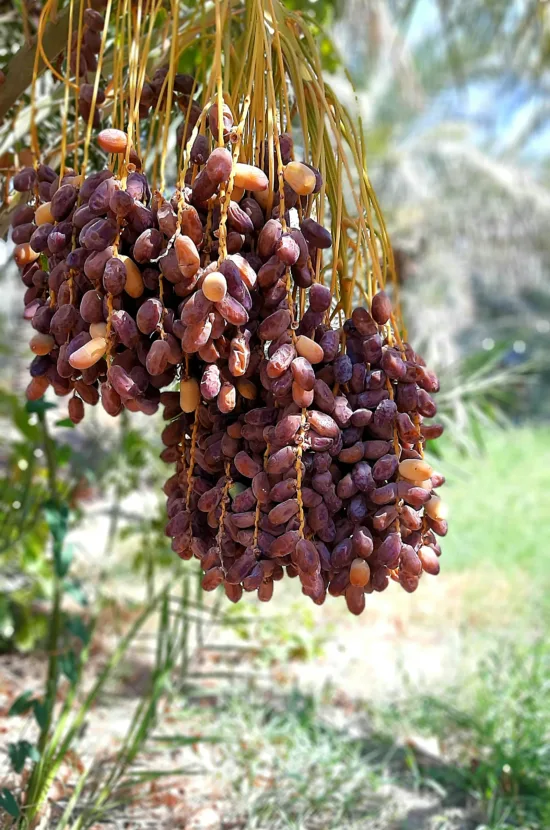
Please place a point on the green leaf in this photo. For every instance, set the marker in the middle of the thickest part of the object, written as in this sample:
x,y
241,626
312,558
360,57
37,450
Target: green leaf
x,y
160,18
40,713
22,704
188,59
77,628
63,454
57,517
329,57
63,561
65,422
40,407
19,752
21,421
134,447
68,664
8,803
74,589
236,489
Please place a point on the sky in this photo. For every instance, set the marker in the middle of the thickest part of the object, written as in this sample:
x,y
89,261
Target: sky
x,y
499,109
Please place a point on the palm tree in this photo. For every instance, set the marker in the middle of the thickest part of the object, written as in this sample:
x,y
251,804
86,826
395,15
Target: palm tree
x,y
453,98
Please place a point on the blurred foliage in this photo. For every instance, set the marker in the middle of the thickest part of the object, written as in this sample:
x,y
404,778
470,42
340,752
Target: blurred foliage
x,y
496,728
484,390
449,94
25,572
148,547
116,464
280,640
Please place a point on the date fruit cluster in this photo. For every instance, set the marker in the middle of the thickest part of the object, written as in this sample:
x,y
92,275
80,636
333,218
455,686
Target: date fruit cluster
x,y
296,438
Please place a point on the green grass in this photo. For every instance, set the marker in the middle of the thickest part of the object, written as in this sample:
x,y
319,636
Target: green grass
x,y
500,504
287,767
494,730
288,761
291,768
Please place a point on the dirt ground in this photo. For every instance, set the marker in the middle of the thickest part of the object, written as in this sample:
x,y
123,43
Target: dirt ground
x,y
423,640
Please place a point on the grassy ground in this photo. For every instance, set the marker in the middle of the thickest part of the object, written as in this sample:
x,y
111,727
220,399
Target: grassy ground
x,y
500,505
500,524
456,760
462,744
430,712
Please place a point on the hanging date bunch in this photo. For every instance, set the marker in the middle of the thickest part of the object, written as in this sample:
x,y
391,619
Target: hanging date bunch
x,y
208,244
